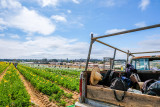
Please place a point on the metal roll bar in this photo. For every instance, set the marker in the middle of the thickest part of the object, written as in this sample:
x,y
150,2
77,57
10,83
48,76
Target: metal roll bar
x,y
93,39
128,31
146,52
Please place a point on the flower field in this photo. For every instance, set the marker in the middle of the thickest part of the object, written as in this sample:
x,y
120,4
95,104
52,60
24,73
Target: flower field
x,y
38,78
64,77
3,66
62,71
58,85
12,90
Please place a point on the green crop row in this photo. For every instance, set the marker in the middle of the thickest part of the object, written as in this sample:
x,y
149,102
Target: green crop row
x,y
12,90
65,81
3,66
43,85
62,71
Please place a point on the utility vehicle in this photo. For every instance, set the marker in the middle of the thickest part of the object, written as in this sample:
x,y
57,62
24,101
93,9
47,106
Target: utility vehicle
x,y
148,67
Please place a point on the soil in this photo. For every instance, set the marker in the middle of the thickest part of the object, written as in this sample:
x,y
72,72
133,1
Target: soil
x,y
39,99
74,97
2,74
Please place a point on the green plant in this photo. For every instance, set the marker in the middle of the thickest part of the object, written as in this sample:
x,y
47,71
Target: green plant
x,y
3,66
12,90
43,85
66,81
69,95
62,103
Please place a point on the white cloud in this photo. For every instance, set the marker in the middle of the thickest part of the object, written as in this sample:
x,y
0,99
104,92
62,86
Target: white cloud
x,y
59,18
39,47
2,28
54,3
81,25
31,21
28,38
140,24
29,34
60,47
69,11
20,17
95,34
2,35
2,23
76,1
151,44
50,47
110,3
14,36
114,31
144,3
154,36
75,22
45,3
107,3
10,4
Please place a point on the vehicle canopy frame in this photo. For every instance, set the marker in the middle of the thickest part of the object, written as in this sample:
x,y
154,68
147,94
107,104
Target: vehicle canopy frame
x,y
93,39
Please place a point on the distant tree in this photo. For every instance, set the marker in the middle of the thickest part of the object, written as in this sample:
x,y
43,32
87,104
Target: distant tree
x,y
71,61
100,62
54,60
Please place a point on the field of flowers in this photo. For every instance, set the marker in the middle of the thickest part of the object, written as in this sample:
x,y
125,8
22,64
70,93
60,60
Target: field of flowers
x,y
3,66
43,85
12,90
63,71
64,77
49,81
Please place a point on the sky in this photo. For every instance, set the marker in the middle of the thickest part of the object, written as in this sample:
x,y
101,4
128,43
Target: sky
x,y
61,28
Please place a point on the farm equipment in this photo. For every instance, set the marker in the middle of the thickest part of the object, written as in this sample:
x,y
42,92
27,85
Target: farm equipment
x,y
148,67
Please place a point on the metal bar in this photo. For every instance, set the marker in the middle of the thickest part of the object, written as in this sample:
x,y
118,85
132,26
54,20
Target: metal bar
x,y
112,46
103,63
127,59
146,52
114,58
83,87
84,73
89,53
127,56
128,31
132,55
110,63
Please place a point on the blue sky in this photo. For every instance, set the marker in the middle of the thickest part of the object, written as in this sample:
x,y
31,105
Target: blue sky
x,y
62,28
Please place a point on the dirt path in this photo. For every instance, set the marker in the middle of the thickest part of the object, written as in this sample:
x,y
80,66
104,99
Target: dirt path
x,y
75,96
39,99
2,74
